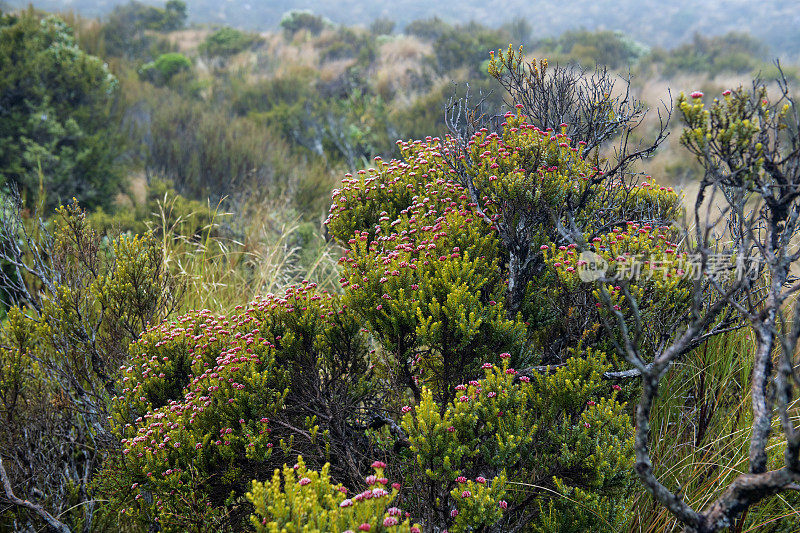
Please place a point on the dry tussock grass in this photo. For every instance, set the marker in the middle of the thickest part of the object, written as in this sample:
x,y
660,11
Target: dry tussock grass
x,y
188,40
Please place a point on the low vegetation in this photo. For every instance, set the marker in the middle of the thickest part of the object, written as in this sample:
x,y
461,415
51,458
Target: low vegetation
x,y
263,312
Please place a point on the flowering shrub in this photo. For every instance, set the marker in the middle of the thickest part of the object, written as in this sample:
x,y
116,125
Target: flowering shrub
x,y
644,258
425,265
561,440
215,402
422,271
208,399
307,500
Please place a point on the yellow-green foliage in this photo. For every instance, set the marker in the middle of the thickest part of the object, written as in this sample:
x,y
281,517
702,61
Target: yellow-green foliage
x,y
545,438
60,354
528,164
307,500
733,131
541,170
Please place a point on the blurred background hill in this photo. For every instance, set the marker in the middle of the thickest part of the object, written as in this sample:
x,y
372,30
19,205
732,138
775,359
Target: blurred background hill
x,y
652,22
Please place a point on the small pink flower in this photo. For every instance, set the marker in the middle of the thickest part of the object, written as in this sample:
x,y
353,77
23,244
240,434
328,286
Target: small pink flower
x,y
616,387
505,355
396,486
466,494
591,403
461,479
378,464
503,504
525,379
390,521
697,94
544,247
726,92
371,480
394,511
464,399
486,366
304,481
346,503
406,409
454,513
451,429
364,527
480,479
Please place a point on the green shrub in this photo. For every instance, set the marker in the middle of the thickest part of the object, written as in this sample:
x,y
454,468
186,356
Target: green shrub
x,y
608,48
382,26
465,46
303,19
58,133
212,402
165,67
128,32
308,500
732,52
561,441
227,41
430,29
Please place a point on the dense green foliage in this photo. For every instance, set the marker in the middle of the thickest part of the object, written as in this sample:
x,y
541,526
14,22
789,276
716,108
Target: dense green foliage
x,y
56,114
211,402
612,49
732,52
306,499
165,67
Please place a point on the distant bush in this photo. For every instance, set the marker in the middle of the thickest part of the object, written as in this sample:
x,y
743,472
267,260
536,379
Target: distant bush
x,y
227,41
590,48
303,19
465,46
165,67
125,32
732,52
429,29
382,26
